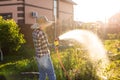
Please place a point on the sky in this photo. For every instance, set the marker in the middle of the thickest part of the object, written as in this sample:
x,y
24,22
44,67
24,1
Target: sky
x,y
95,10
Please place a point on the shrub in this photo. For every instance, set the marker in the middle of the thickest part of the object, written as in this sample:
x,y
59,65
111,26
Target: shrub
x,y
10,37
77,65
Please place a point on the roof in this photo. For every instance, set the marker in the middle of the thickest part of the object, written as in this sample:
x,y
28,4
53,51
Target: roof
x,y
69,1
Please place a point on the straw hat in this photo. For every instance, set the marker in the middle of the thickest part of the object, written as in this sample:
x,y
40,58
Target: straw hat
x,y
41,21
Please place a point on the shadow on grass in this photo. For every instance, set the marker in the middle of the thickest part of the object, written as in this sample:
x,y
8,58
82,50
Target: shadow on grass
x,y
2,77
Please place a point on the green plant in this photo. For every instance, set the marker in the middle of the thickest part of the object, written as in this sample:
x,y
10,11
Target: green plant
x,y
14,64
112,45
76,63
10,37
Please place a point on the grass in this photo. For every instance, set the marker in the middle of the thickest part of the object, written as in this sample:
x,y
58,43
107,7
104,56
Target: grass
x,y
14,64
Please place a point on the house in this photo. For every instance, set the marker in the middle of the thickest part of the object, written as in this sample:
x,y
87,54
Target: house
x,y
24,12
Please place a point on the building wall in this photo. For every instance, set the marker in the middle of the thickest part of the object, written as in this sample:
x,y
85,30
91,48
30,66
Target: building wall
x,y
65,7
42,7
65,10
22,13
22,9
65,15
11,7
9,1
41,3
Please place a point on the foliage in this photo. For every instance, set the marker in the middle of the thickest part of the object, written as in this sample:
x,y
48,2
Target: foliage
x,y
113,70
13,65
10,37
75,61
112,46
114,36
15,68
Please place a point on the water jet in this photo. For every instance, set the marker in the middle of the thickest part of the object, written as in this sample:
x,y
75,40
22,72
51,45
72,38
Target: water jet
x,y
94,46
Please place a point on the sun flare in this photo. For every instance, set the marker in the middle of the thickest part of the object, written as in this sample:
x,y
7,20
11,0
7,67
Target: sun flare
x,y
95,10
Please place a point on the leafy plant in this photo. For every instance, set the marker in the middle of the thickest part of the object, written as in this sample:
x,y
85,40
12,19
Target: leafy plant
x,y
10,37
76,63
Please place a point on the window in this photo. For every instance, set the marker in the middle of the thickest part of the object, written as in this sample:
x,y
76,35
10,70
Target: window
x,y
20,15
20,8
21,21
6,15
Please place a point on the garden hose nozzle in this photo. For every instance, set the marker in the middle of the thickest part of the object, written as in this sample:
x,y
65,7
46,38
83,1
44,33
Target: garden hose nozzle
x,y
56,42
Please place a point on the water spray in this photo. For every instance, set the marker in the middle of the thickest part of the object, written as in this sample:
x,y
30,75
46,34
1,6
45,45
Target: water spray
x,y
93,45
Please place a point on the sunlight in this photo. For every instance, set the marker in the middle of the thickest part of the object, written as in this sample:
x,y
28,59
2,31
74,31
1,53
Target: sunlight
x,y
94,46
95,10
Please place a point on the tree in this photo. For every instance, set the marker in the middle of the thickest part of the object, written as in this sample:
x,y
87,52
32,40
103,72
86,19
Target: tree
x,y
10,37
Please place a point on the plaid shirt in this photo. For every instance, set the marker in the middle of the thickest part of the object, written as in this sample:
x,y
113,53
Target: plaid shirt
x,y
40,42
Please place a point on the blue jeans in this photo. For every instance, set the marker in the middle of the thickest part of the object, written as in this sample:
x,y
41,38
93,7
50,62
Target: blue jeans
x,y
46,68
